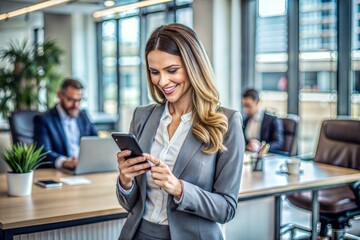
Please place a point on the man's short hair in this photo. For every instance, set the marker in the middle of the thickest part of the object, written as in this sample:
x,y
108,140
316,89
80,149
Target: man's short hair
x,y
251,93
69,82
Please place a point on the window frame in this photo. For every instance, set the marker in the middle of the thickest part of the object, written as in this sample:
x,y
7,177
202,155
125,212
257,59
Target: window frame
x,y
170,11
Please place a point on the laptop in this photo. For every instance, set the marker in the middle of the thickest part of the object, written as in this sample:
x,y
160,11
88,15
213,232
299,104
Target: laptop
x,y
96,155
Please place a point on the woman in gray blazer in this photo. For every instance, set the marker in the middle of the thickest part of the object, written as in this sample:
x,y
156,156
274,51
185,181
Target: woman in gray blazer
x,y
189,178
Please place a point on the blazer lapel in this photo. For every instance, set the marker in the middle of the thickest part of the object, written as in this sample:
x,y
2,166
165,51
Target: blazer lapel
x,y
148,133
60,129
264,126
146,139
80,126
189,148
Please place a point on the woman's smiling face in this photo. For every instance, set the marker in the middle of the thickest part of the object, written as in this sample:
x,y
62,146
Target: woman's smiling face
x,y
169,74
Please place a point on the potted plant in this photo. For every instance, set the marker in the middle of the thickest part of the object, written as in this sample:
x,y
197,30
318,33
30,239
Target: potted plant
x,y
27,71
23,160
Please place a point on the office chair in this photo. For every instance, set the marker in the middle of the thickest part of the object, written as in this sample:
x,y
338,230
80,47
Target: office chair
x,y
291,126
22,126
339,144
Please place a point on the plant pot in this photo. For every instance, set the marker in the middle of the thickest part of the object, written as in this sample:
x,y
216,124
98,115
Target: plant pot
x,y
19,184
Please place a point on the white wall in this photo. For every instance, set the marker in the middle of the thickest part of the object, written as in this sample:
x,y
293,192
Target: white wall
x,y
76,35
84,58
218,24
57,27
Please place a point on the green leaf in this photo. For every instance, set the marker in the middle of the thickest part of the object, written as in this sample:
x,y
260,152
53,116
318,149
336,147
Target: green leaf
x,y
22,158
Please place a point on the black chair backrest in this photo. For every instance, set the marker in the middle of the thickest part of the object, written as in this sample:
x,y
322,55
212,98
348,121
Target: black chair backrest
x,y
291,125
22,126
339,143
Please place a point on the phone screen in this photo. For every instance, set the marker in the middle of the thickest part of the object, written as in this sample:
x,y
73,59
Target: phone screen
x,y
127,142
48,183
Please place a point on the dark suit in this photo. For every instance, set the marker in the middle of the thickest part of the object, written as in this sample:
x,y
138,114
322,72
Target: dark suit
x,y
49,132
272,131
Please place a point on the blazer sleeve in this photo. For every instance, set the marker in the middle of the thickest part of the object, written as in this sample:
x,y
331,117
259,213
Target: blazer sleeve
x,y
128,201
42,138
277,138
220,204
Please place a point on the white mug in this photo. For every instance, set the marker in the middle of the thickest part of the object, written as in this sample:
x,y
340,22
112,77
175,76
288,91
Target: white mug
x,y
293,165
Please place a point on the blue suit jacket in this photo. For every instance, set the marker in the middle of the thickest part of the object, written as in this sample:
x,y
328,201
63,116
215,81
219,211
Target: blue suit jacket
x,y
49,132
272,131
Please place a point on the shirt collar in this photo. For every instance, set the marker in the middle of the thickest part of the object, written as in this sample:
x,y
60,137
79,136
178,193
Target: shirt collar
x,y
184,118
62,113
259,115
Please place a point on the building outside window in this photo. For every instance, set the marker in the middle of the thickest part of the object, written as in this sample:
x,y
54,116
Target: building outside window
x,y
271,55
355,60
317,66
317,63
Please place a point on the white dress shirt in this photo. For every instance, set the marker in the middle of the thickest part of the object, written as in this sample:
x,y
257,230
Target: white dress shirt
x,y
167,151
253,127
72,134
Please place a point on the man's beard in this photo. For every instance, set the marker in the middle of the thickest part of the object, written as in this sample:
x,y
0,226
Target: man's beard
x,y
67,110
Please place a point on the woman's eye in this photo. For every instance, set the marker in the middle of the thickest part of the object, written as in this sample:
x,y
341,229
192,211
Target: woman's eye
x,y
172,71
154,72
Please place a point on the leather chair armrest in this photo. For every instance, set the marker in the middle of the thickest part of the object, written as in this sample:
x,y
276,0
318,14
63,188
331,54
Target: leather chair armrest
x,y
355,187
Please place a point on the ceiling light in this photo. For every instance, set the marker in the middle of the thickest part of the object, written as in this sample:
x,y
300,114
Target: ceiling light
x,y
31,8
123,8
109,3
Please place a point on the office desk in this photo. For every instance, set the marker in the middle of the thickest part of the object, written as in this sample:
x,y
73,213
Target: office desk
x,y
48,209
68,206
269,182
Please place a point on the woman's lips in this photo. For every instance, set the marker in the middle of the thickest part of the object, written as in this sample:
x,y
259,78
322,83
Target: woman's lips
x,y
169,90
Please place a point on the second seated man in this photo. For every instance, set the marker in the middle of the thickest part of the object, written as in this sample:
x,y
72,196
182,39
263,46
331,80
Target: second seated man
x,y
260,125
59,130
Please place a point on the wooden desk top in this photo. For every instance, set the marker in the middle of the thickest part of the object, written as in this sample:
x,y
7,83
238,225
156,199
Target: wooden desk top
x,y
99,199
59,204
270,181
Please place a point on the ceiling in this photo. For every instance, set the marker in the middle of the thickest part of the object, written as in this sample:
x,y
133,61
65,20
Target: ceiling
x,y
77,6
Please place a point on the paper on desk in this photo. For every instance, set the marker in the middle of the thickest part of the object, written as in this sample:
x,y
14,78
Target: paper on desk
x,y
75,180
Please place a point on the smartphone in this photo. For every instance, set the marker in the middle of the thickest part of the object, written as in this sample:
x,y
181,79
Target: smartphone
x,y
127,141
49,183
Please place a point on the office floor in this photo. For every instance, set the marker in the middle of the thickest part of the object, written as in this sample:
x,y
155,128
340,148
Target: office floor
x,y
296,215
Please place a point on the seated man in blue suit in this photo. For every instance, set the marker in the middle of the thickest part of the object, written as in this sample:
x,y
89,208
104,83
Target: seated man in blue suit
x,y
59,130
260,125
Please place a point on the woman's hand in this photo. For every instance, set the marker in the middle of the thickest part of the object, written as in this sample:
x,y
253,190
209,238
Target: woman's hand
x,y
164,178
130,168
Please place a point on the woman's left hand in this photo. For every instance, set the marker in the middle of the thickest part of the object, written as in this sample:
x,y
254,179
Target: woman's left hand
x,y
163,177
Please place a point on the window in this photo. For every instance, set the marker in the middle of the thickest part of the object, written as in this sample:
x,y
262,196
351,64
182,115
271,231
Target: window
x,y
355,61
318,66
122,77
271,55
109,62
184,16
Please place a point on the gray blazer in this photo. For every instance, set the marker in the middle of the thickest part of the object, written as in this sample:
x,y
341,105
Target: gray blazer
x,y
211,183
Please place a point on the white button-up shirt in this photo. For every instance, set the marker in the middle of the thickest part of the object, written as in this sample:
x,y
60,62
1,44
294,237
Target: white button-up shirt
x,y
167,151
253,127
72,134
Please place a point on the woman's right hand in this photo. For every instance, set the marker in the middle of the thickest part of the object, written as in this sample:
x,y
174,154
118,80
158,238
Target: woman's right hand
x,y
130,168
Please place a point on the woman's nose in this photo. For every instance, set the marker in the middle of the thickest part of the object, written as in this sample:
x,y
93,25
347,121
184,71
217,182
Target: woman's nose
x,y
163,80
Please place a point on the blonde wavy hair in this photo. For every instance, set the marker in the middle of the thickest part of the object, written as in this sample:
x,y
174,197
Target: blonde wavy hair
x,y
209,125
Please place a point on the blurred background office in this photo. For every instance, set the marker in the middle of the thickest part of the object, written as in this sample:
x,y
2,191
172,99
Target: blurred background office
x,y
303,56
293,52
